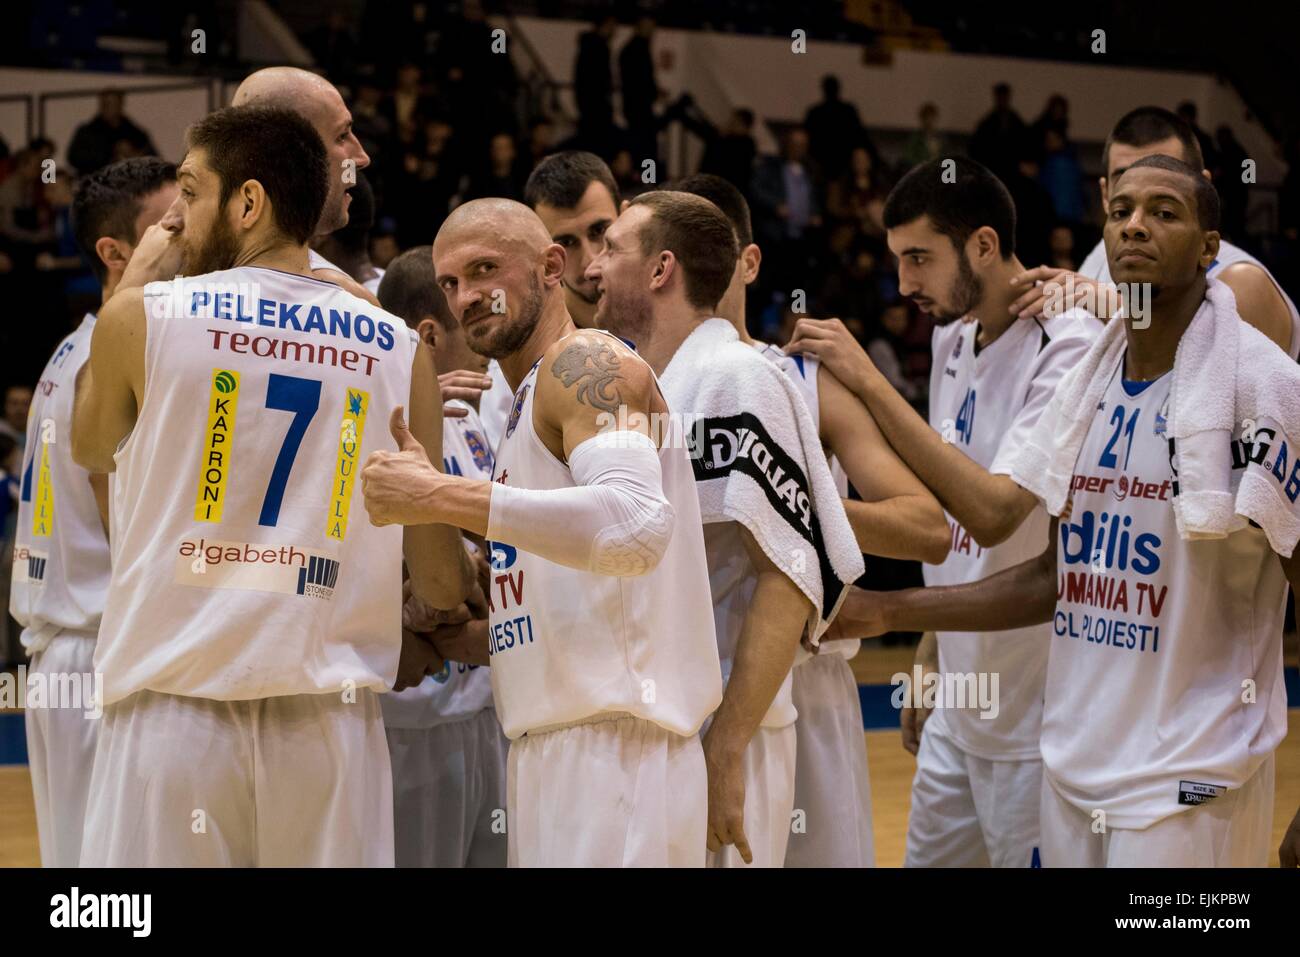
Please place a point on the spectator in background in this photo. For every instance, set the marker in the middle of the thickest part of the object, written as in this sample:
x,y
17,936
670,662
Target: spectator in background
x,y
383,245
334,47
593,84
500,175
110,135
927,143
541,141
786,209
429,179
372,123
636,72
1055,117
730,153
1187,113
887,348
408,106
834,129
858,197
1232,189
999,137
627,175
1062,177
1062,245
27,226
1035,213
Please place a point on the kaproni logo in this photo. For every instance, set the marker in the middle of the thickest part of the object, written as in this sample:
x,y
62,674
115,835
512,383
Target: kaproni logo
x,y
224,382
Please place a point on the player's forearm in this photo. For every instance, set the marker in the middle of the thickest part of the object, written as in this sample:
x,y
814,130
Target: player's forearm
x,y
908,527
1017,597
778,615
982,502
442,573
92,446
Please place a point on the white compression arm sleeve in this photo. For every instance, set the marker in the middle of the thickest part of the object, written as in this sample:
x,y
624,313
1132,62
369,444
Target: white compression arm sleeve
x,y
615,522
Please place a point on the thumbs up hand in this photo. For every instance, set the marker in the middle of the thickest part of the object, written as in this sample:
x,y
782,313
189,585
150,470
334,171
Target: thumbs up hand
x,y
398,486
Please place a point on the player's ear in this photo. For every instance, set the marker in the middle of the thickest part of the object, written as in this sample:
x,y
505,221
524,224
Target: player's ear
x,y
429,332
1209,248
111,253
751,258
985,246
553,262
1105,197
664,269
251,203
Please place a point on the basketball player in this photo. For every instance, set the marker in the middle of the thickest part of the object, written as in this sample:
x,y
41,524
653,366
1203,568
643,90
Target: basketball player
x,y
317,101
978,769
576,198
444,740
61,561
348,247
1153,755
1152,131
250,613
661,274
604,663
896,517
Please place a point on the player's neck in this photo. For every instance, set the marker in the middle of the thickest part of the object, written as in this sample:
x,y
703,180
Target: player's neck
x,y
666,335
287,257
993,311
554,324
1153,343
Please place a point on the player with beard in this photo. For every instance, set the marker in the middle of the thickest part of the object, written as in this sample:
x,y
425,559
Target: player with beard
x,y
1154,131
317,100
973,797
895,516
600,640
576,198
251,616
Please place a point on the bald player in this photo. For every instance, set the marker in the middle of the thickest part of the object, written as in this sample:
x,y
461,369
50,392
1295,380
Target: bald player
x,y
600,636
896,517
1153,131
318,101
575,196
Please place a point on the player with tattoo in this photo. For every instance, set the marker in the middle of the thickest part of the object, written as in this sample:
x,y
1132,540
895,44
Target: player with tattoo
x,y
600,635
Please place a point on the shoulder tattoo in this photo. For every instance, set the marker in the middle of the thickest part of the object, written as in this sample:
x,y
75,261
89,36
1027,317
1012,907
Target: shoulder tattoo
x,y
594,367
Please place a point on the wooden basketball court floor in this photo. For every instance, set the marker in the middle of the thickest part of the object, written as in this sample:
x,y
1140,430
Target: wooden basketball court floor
x,y
891,775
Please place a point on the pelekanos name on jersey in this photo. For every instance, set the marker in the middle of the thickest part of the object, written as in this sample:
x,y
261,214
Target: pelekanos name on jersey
x,y
272,313
214,467
351,431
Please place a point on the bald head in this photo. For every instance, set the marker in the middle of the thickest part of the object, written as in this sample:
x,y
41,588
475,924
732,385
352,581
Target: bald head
x,y
317,101
508,226
500,271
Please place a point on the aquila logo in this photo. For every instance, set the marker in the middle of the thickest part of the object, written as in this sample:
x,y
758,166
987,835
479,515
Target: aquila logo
x,y
479,450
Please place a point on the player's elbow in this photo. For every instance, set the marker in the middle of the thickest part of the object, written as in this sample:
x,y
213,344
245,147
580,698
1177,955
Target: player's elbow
x,y
635,546
936,538
991,529
87,452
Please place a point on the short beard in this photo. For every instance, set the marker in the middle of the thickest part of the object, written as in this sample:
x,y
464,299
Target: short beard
x,y
589,300
219,251
628,317
967,291
509,337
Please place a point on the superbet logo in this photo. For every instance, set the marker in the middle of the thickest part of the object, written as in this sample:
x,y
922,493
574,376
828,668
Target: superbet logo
x,y
1122,488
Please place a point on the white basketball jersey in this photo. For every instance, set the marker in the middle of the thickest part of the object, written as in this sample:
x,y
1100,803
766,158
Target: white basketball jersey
x,y
244,565
494,404
568,645
459,690
802,371
986,402
1165,683
1097,267
61,559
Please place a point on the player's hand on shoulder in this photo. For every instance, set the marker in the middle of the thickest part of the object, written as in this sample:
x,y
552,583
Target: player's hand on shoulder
x,y
831,342
1050,290
398,485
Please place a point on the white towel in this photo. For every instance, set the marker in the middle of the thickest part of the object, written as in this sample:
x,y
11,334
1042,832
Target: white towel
x,y
758,460
1228,376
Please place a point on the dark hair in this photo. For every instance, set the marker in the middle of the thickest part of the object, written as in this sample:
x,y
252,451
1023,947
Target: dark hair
x,y
722,194
410,291
973,199
355,236
745,116
698,235
1151,124
107,202
1207,197
276,147
560,179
